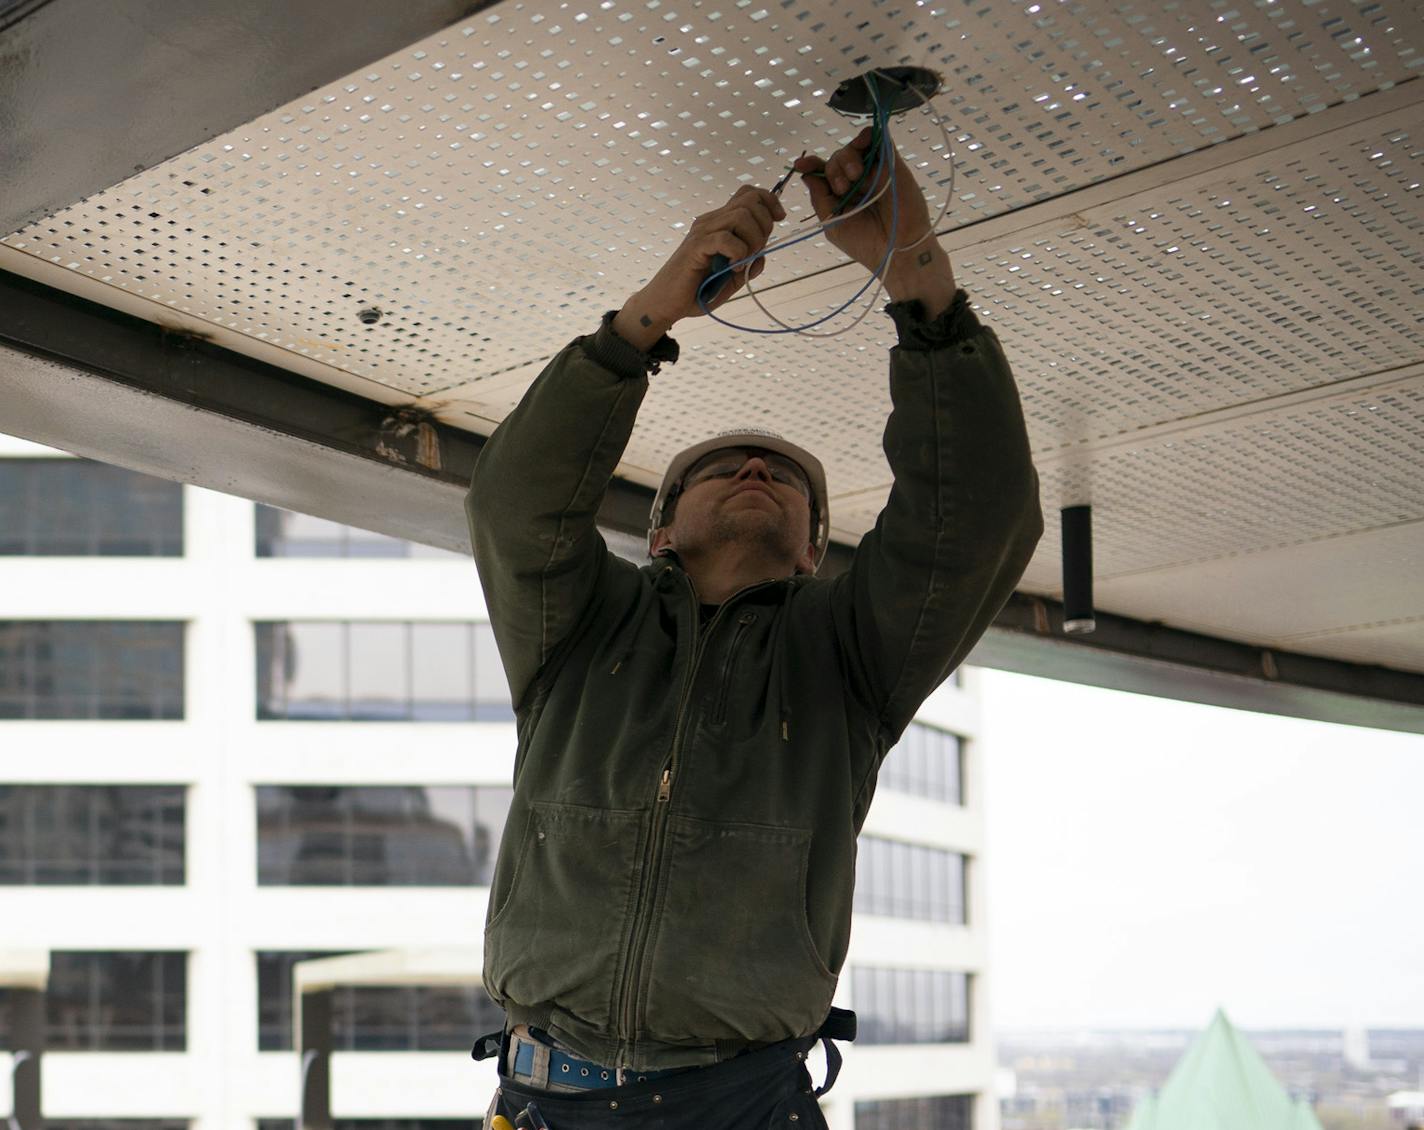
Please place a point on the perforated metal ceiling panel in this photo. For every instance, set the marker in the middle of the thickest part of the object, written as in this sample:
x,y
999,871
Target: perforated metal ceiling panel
x,y
1197,228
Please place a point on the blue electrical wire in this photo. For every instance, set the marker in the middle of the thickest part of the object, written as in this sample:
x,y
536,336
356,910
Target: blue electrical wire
x,y
886,156
887,152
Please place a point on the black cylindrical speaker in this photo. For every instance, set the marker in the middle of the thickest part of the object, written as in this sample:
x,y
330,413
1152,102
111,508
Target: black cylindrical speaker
x,y
1078,570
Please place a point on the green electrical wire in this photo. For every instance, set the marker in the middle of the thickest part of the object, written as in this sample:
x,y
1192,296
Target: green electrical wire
x,y
882,119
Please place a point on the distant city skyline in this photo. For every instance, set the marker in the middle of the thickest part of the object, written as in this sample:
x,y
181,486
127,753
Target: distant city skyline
x,y
1095,1080
1150,861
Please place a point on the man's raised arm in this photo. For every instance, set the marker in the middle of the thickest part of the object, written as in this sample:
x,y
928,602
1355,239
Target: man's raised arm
x,y
963,514
536,490
542,475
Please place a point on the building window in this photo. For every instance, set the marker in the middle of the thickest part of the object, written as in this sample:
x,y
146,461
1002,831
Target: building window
x,y
283,533
100,835
378,835
99,669
116,1002
899,880
366,1018
926,762
115,1124
932,1112
78,508
910,1006
378,1124
380,672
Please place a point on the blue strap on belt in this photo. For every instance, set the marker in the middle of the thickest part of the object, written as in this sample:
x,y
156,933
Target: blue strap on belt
x,y
574,1072
840,1024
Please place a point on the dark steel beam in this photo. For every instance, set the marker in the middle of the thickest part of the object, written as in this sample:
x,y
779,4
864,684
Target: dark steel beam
x,y
1154,659
93,91
103,384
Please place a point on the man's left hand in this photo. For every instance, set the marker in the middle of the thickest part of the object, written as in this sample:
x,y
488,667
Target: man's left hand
x,y
923,273
867,236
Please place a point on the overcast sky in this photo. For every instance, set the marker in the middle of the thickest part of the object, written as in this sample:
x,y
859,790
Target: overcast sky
x,y
1149,860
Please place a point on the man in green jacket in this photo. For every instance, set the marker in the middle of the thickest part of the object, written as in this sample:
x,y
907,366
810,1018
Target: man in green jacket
x,y
699,737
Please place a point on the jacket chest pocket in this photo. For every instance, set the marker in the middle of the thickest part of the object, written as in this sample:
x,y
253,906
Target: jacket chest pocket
x,y
728,670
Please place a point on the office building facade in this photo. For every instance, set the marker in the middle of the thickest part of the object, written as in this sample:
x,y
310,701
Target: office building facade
x,y
234,738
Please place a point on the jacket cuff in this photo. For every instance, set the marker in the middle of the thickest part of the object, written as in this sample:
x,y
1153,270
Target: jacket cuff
x,y
624,358
917,333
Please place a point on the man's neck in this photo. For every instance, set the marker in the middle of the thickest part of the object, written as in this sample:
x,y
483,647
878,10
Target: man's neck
x,y
715,579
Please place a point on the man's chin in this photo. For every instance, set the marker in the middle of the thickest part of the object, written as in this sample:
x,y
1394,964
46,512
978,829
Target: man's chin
x,y
756,524
754,517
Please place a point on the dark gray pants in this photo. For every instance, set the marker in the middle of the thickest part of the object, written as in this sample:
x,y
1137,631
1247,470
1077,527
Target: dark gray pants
x,y
768,1089
761,1090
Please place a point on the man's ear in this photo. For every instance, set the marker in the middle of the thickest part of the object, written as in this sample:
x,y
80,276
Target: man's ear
x,y
661,541
806,563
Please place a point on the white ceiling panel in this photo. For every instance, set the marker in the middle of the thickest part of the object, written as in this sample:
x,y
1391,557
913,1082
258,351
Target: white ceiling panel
x,y
1242,597
1396,643
1318,470
564,145
1300,269
1198,229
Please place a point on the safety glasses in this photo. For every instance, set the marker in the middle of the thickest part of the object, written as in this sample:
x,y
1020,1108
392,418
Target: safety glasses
x,y
725,463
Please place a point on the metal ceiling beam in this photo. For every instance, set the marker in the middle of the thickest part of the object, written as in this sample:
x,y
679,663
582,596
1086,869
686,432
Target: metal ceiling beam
x,y
1154,659
74,121
91,380
106,385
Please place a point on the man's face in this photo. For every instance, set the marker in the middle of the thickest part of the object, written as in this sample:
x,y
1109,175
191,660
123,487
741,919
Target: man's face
x,y
740,494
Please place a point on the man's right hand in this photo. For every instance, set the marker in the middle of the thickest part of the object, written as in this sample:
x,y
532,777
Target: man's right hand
x,y
739,228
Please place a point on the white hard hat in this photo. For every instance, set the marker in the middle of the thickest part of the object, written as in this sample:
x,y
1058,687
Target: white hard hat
x,y
767,441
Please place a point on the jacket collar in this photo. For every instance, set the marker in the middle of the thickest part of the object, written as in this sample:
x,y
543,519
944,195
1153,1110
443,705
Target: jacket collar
x,y
667,568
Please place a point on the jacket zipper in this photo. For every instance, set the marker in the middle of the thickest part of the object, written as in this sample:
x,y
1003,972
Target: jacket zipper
x,y
744,621
653,857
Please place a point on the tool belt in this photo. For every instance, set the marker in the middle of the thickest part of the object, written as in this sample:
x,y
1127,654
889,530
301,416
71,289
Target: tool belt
x,y
537,1062
747,1090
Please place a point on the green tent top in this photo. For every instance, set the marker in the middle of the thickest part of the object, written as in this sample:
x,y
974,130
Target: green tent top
x,y
1222,1083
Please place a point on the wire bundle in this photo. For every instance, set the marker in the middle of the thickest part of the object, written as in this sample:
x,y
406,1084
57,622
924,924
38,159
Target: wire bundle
x,y
884,149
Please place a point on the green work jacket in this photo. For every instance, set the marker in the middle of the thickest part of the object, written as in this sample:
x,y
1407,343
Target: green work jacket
x,y
674,883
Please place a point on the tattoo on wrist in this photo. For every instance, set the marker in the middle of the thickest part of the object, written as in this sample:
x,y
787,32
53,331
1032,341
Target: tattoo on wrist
x,y
645,320
925,258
